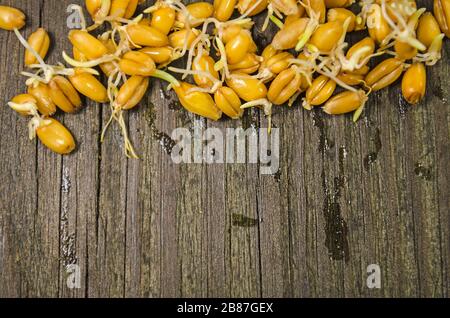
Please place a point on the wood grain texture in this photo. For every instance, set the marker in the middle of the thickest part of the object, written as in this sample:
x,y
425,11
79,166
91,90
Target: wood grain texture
x,y
346,196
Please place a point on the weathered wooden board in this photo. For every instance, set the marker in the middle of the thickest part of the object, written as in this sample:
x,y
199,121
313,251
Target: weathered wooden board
x,y
346,196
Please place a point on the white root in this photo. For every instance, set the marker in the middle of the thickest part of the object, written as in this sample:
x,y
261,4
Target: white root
x,y
433,54
329,64
34,124
312,26
358,112
294,98
25,108
91,63
406,31
45,72
178,6
102,17
222,64
199,43
216,84
268,16
356,61
265,105
27,46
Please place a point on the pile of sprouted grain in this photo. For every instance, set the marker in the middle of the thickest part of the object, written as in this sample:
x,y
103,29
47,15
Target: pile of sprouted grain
x,y
309,54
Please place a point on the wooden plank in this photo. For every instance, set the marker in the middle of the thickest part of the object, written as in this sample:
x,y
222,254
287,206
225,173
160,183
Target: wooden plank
x,y
19,183
143,259
79,173
442,128
191,263
47,228
346,196
242,257
424,170
361,208
31,231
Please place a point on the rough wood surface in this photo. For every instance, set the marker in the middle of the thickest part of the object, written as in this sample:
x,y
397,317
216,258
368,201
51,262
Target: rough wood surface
x,y
346,196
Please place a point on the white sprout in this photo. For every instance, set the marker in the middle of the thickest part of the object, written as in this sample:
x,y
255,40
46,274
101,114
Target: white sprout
x,y
433,54
91,63
216,84
266,106
46,71
405,32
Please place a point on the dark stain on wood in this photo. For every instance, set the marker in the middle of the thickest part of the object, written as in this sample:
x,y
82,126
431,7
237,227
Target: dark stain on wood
x,y
377,145
151,228
166,142
325,144
243,221
336,229
423,172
